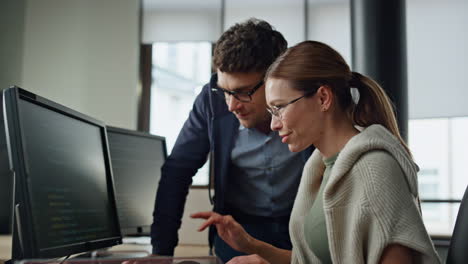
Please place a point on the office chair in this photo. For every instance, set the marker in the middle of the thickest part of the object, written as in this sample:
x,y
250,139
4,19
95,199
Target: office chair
x,y
458,250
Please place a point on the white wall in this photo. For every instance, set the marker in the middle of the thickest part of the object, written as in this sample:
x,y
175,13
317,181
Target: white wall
x,y
181,25
437,58
330,22
84,55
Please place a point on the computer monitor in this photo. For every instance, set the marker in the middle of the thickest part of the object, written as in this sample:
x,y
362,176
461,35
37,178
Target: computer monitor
x,y
6,183
137,159
64,196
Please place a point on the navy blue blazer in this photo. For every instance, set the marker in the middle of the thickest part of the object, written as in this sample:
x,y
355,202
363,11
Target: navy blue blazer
x,y
210,128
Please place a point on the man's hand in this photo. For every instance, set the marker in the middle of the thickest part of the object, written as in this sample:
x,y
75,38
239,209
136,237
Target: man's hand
x,y
228,229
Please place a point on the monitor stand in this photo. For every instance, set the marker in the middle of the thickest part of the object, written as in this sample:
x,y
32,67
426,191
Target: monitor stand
x,y
94,254
138,240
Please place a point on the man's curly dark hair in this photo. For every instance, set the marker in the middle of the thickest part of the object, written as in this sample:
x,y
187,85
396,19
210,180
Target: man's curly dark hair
x,y
251,46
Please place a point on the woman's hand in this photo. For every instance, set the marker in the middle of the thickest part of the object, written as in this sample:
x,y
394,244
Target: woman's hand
x,y
250,259
228,229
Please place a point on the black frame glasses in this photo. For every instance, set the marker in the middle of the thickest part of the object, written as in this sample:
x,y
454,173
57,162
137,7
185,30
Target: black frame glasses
x,y
244,97
275,110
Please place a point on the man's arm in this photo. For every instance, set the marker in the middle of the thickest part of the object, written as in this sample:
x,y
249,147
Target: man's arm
x,y
188,155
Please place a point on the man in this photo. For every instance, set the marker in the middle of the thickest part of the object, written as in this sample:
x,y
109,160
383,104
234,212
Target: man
x,y
255,176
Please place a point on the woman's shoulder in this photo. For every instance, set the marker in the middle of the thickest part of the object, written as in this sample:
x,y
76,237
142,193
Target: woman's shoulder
x,y
378,160
376,170
379,154
382,177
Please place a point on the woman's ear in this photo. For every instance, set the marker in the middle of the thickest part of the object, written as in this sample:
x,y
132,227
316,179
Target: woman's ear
x,y
325,96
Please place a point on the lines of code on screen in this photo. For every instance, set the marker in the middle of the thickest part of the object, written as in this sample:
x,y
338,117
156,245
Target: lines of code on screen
x,y
136,165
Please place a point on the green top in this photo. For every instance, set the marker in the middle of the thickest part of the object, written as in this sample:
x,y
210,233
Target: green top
x,y
315,228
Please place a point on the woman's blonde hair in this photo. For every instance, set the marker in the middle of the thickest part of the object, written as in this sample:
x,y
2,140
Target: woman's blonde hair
x,y
311,64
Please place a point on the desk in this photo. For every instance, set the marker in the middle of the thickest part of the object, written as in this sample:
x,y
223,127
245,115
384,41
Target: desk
x,y
5,248
180,251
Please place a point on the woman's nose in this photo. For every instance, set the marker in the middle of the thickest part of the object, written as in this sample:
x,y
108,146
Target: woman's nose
x,y
275,123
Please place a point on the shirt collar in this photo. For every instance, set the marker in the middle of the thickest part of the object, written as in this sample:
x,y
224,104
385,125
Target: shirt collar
x,y
270,135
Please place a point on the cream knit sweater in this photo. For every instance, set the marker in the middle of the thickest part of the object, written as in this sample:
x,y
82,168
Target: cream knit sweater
x,y
370,201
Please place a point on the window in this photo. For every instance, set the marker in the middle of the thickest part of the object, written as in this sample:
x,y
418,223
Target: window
x,y
438,146
180,69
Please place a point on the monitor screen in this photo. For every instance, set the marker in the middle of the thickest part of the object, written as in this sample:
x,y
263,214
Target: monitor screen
x,y
64,197
137,159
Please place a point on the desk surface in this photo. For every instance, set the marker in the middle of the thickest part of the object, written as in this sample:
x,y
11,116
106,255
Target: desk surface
x,y
5,248
180,251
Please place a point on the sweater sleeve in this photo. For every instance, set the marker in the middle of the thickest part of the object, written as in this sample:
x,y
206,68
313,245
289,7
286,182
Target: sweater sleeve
x,y
392,208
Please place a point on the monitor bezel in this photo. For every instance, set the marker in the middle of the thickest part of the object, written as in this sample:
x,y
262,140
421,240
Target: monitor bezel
x,y
25,244
142,229
6,181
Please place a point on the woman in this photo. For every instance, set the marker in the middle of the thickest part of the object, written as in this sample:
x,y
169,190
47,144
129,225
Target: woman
x,y
358,198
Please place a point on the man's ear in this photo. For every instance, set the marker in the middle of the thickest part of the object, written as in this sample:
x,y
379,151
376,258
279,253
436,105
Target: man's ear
x,y
325,96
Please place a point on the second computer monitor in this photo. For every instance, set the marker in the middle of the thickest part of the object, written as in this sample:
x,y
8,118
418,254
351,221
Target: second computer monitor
x,y
137,159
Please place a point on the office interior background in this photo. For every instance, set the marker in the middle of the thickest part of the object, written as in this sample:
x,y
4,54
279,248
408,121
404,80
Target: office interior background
x,y
85,54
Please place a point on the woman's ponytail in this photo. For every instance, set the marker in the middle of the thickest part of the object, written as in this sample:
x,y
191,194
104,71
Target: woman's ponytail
x,y
374,106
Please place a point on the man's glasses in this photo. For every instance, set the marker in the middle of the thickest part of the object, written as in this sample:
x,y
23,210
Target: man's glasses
x,y
275,111
242,96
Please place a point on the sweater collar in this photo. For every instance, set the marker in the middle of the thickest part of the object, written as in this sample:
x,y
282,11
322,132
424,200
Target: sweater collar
x,y
374,137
